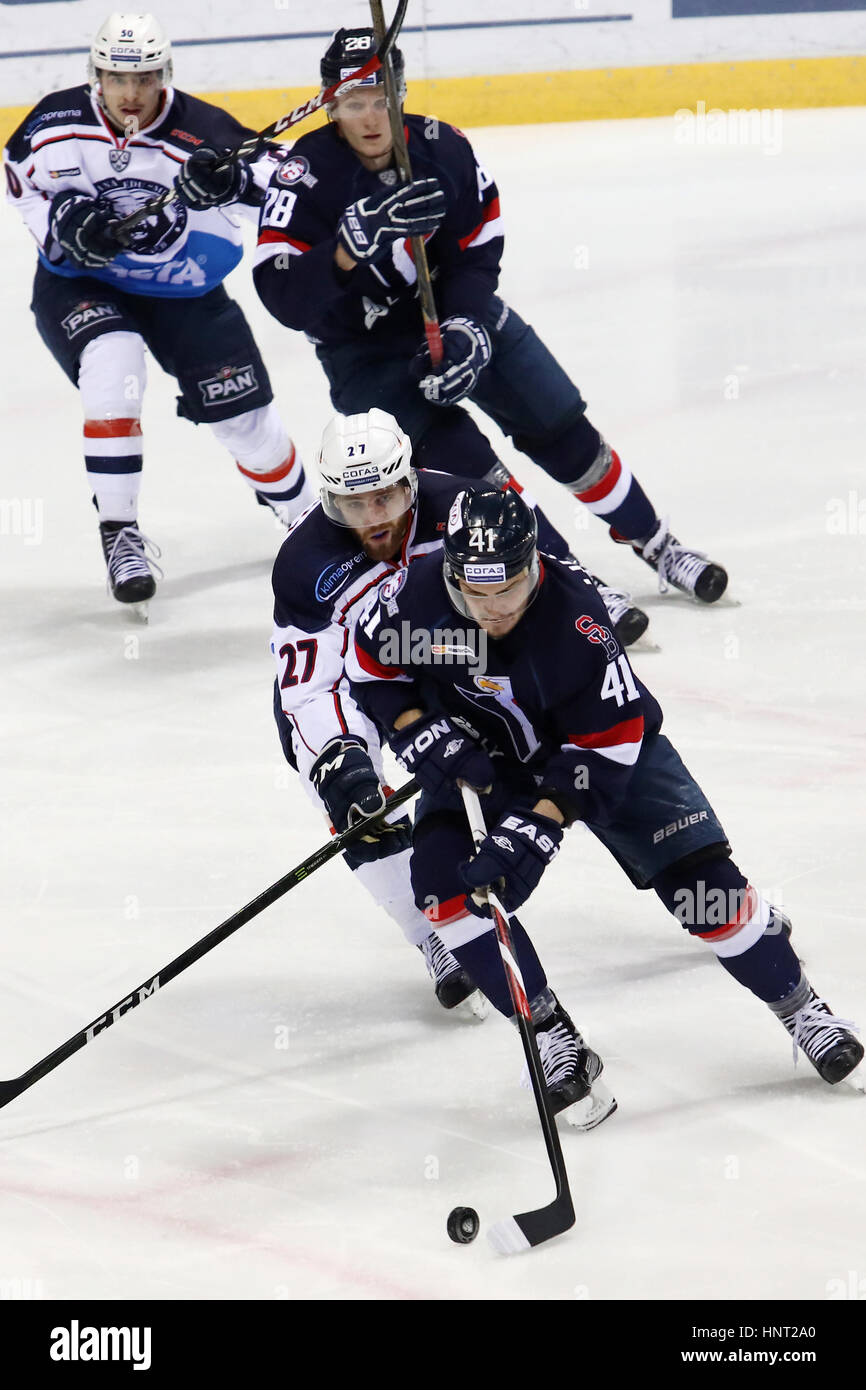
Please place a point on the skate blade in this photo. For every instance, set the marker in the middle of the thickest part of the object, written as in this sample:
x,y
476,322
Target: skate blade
x,y
589,1113
856,1079
475,1005
137,611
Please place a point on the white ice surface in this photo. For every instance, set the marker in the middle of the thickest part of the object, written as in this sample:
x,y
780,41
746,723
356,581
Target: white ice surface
x,y
717,333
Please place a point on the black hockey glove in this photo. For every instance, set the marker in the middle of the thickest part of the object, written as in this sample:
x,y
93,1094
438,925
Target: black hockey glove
x,y
466,352
369,226
209,179
436,753
83,231
348,783
511,860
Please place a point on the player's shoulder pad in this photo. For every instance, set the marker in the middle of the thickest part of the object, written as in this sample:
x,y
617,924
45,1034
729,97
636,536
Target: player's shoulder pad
x,y
581,608
72,105
315,564
190,123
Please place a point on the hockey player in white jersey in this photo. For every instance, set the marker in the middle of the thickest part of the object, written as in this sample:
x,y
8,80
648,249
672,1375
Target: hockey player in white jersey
x,y
84,159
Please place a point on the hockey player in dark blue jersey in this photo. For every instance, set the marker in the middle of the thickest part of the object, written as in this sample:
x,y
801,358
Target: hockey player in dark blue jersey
x,y
376,516
333,261
80,162
529,699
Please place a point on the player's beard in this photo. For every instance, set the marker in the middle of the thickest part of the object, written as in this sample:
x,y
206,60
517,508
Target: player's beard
x,y
382,542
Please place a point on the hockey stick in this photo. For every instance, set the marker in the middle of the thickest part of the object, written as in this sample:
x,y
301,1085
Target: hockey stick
x,y
404,168
10,1089
251,145
514,1234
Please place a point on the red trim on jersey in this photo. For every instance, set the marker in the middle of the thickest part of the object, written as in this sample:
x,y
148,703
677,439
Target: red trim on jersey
x,y
374,668
55,139
112,429
629,731
269,235
743,918
513,485
445,913
607,484
294,719
491,212
281,471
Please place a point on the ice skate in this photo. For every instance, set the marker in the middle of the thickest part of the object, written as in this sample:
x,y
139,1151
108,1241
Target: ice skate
x,y
454,987
571,1070
629,621
826,1040
130,568
687,570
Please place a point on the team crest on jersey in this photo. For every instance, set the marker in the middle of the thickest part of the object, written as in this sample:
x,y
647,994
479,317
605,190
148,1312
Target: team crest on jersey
x,y
154,233
296,169
119,159
229,384
86,314
600,636
393,584
388,176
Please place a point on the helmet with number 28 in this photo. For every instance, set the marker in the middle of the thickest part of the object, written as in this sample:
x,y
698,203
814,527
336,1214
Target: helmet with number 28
x,y
362,455
130,43
349,50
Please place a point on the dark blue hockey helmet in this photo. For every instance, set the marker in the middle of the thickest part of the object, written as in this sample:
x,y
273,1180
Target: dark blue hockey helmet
x,y
491,538
349,50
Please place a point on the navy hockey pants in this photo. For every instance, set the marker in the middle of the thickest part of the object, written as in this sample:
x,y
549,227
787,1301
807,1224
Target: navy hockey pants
x,y
204,342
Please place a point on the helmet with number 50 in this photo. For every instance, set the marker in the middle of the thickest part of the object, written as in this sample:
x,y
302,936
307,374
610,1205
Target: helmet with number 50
x,y
362,457
130,43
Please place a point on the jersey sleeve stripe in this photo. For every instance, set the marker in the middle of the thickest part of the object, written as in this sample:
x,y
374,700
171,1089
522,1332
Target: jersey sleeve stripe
x,y
621,744
490,226
374,668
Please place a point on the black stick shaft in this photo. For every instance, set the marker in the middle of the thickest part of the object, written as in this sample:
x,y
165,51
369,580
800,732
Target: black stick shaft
x,y
10,1089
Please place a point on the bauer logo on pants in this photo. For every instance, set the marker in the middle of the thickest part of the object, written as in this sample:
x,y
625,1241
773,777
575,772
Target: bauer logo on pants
x,y
229,384
86,314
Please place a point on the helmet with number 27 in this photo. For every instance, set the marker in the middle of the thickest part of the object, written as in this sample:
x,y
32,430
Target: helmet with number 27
x,y
362,456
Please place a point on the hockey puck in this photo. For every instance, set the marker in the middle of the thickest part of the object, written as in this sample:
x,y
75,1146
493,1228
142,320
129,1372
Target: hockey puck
x,y
463,1225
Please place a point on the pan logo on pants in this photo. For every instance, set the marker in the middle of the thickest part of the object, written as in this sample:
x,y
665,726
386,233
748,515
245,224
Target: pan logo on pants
x,y
229,384
85,314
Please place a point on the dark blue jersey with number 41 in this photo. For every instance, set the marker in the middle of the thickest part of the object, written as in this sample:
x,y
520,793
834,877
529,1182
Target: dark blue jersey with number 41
x,y
556,697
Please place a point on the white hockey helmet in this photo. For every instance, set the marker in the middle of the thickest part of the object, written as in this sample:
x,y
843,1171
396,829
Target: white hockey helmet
x,y
130,43
363,454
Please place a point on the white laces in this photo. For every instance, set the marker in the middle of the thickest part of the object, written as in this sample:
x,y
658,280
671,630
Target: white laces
x,y
616,601
559,1051
816,1029
128,557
